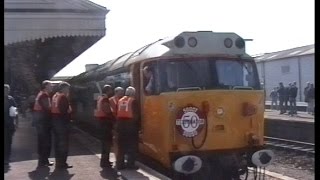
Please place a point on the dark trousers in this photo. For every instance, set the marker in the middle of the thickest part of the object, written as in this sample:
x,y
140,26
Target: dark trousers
x,y
61,127
274,104
8,134
286,104
282,104
44,129
105,134
293,106
127,140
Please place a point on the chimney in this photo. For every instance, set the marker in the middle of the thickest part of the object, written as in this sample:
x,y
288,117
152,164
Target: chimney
x,y
91,66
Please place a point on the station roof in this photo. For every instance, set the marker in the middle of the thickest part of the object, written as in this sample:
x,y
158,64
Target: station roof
x,y
41,19
299,51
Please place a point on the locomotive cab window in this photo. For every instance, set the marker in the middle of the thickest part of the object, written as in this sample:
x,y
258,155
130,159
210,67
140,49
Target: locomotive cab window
x,y
150,78
233,74
184,75
207,73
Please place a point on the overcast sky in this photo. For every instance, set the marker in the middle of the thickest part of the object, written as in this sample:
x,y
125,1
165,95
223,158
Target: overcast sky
x,y
274,25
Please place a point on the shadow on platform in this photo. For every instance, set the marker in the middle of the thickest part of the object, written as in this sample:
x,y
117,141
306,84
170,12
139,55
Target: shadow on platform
x,y
44,173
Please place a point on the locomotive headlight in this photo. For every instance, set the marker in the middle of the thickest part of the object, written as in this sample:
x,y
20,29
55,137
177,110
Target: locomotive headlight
x,y
262,158
240,43
187,164
228,43
220,111
192,42
179,41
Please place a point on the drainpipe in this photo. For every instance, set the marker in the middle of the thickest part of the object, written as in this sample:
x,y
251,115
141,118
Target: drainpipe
x,y
300,83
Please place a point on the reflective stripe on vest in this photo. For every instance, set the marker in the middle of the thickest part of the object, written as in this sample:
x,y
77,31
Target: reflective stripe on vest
x,y
113,105
70,109
125,107
37,106
98,112
55,103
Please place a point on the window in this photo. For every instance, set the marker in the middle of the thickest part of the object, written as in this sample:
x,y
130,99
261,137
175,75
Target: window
x,y
285,69
150,78
201,74
179,75
235,73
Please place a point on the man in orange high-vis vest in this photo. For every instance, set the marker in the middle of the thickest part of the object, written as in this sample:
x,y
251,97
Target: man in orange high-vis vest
x,y
127,130
60,112
118,94
42,119
105,119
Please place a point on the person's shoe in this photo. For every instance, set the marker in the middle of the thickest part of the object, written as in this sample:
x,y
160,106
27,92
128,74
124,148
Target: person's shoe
x,y
43,164
49,163
104,164
63,166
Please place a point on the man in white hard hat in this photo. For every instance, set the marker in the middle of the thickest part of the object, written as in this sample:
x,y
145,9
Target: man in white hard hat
x,y
127,129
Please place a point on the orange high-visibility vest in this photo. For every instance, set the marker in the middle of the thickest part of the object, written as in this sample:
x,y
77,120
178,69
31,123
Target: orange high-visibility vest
x,y
125,107
55,103
37,106
98,112
113,105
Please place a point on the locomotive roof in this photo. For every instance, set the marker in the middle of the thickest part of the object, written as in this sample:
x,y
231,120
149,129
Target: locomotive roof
x,y
207,43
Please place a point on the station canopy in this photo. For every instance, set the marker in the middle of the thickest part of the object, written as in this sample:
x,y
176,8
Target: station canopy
x,y
41,19
43,36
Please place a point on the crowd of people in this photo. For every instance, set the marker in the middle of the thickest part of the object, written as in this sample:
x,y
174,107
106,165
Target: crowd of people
x,y
52,118
286,96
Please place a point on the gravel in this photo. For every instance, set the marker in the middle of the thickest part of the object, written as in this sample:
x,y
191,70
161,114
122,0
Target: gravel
x,y
293,165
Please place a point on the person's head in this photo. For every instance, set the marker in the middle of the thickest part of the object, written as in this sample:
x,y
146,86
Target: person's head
x,y
290,84
6,89
119,91
294,83
107,89
308,84
64,88
148,71
280,84
130,91
46,86
311,85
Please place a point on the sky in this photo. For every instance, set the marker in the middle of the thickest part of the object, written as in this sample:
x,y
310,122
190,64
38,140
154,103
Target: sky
x,y
274,25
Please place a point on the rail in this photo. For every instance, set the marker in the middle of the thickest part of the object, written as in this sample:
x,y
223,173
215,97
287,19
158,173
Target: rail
x,y
287,144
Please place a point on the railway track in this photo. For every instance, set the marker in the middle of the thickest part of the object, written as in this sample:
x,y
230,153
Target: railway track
x,y
148,168
297,146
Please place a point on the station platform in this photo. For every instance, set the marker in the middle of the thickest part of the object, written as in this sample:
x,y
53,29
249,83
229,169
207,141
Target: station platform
x,y
301,106
84,156
301,116
299,127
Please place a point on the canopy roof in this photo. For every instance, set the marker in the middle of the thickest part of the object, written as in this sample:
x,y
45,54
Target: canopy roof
x,y
40,19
